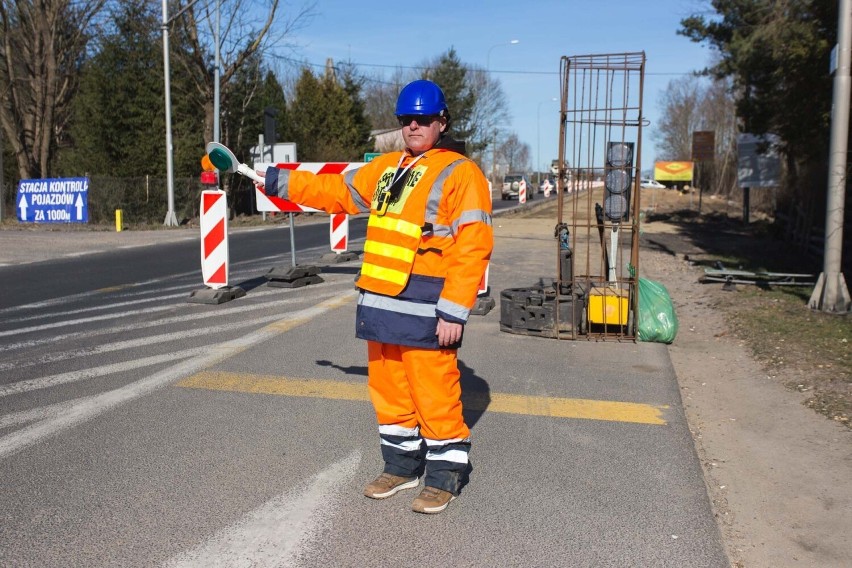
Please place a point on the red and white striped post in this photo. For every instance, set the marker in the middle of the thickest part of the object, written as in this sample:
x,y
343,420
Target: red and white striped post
x,y
214,251
338,230
214,239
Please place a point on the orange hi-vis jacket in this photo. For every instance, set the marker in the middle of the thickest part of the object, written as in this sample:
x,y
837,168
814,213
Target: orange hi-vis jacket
x,y
425,254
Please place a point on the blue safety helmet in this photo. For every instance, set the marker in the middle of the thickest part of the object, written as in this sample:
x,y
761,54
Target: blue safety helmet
x,y
421,97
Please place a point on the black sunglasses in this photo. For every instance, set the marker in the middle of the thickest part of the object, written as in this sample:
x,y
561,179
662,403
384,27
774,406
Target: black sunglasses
x,y
420,119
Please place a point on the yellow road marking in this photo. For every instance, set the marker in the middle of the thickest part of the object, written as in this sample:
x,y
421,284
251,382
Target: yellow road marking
x,y
553,407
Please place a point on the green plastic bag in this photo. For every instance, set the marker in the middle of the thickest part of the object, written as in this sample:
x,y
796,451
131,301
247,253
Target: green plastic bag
x,y
657,319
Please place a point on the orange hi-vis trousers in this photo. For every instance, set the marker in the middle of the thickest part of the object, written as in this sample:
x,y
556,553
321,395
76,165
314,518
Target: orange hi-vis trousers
x,y
416,394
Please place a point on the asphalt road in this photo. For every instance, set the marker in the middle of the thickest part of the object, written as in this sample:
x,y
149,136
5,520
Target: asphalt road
x,y
138,429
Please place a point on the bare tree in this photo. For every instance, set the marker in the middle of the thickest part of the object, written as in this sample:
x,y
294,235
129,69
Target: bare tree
x,y
514,153
718,109
380,95
681,114
42,45
490,114
240,38
693,103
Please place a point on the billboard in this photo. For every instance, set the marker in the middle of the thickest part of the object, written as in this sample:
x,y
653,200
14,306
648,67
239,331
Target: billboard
x,y
673,171
703,145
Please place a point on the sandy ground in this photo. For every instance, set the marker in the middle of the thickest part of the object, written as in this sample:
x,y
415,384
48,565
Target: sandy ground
x,y
779,475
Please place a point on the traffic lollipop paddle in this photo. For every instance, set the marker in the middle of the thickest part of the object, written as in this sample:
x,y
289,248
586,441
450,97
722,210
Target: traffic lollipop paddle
x,y
225,161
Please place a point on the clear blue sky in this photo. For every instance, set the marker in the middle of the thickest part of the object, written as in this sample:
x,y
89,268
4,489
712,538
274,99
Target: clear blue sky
x,y
370,32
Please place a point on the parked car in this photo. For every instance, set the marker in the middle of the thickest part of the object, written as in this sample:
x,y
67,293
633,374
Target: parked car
x,y
511,185
651,184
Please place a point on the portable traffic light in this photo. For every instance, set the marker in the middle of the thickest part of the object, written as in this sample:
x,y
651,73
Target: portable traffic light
x,y
618,180
208,174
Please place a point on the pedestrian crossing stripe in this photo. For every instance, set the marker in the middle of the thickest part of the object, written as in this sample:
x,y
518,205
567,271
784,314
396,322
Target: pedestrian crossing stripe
x,y
553,407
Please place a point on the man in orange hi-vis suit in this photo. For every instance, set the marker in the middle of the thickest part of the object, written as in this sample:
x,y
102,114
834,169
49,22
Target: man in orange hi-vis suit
x,y
429,239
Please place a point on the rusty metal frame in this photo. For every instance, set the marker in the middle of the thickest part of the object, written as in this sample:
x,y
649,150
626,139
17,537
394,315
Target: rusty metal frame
x,y
601,102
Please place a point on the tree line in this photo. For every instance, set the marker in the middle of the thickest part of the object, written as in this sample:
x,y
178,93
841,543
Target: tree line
x,y
84,92
770,74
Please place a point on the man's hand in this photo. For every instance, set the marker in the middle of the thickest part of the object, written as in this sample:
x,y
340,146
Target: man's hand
x,y
448,332
259,185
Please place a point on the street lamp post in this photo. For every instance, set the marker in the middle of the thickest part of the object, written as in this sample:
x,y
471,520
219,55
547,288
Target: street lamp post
x,y
488,56
538,136
487,70
171,218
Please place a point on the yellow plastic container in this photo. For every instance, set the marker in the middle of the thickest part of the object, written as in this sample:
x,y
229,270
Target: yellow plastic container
x,y
608,306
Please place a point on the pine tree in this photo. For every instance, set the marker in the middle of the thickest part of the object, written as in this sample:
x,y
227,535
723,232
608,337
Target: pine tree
x,y
451,76
327,120
119,109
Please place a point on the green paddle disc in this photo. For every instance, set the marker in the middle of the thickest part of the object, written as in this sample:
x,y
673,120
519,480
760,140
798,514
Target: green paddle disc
x,y
221,160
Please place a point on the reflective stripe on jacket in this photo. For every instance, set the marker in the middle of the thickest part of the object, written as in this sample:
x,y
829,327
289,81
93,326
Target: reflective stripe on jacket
x,y
426,256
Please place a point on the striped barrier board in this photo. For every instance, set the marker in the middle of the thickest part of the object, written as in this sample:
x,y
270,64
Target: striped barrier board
x,y
269,203
214,239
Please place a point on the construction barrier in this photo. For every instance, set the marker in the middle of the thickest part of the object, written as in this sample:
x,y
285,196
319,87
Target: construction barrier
x,y
214,238
338,229
271,203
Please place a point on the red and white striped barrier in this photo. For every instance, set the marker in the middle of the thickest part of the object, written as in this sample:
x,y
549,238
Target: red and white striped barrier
x,y
522,192
338,229
269,203
214,239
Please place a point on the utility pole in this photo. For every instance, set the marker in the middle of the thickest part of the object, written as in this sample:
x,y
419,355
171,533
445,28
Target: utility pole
x,y
2,182
830,293
171,218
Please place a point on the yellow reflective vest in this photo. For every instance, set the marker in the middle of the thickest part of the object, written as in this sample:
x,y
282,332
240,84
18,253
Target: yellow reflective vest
x,y
425,254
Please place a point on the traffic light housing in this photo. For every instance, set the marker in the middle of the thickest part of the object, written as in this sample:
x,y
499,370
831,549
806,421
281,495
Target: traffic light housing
x,y
618,180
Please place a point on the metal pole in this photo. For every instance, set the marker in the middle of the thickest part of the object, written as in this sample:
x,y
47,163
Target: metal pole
x,y
292,242
830,293
171,218
216,77
2,182
538,142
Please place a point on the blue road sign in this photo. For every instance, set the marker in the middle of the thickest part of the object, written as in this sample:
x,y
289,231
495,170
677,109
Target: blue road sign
x,y
58,200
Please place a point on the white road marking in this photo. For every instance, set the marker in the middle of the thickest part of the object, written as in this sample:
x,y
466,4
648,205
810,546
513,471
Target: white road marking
x,y
117,315
242,308
273,534
85,409
91,373
26,416
72,297
86,320
97,308
139,342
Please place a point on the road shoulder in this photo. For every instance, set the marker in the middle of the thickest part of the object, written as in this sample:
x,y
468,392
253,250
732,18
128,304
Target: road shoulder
x,y
777,472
